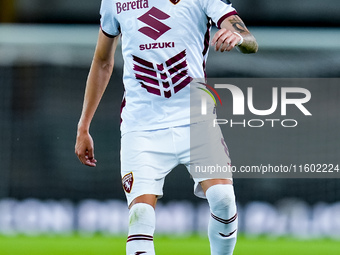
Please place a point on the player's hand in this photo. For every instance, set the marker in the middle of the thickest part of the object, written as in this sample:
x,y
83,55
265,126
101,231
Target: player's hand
x,y
84,149
225,40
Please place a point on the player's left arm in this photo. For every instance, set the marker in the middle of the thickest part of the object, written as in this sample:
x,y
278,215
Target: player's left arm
x,y
234,33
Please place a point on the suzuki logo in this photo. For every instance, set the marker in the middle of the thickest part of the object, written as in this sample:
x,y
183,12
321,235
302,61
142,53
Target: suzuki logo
x,y
156,28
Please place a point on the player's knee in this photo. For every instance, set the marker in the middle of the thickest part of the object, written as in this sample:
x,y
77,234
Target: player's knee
x,y
221,198
145,199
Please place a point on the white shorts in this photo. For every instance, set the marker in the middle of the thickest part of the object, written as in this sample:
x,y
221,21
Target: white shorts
x,y
148,156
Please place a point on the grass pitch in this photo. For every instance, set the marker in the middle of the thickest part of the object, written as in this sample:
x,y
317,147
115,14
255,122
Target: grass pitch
x,y
101,245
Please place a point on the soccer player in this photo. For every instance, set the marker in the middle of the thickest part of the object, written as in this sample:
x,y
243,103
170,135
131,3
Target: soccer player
x,y
165,45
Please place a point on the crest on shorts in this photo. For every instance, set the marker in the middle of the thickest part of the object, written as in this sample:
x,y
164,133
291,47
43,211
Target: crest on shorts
x,y
127,182
175,1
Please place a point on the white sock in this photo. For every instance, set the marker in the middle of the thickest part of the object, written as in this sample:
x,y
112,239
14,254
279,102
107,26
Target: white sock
x,y
222,230
142,221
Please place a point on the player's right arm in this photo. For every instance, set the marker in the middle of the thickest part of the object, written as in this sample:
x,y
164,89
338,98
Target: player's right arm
x,y
98,78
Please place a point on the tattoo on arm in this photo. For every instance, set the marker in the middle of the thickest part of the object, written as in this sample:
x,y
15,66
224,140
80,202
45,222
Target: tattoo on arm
x,y
235,23
238,24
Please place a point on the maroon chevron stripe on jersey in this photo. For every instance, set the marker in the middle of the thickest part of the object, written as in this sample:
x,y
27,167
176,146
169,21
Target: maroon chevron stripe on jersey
x,y
163,79
176,58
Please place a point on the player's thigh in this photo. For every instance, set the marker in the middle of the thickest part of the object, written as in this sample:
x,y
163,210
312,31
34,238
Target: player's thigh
x,y
146,158
210,163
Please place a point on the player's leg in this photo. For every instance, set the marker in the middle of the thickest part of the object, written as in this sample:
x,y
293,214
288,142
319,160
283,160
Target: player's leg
x,y
145,161
211,154
142,221
222,229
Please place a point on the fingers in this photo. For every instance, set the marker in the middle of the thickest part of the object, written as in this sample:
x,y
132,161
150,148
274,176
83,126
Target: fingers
x,y
219,38
86,158
90,154
85,153
90,160
225,40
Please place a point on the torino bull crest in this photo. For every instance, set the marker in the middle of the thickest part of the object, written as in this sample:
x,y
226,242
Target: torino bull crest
x,y
127,182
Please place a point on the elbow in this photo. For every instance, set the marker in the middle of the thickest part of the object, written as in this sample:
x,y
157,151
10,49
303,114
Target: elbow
x,y
108,66
104,63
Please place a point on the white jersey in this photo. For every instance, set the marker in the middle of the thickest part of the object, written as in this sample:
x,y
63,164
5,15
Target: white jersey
x,y
165,45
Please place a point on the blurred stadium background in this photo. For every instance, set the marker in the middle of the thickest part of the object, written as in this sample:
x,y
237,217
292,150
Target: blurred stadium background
x,y
45,54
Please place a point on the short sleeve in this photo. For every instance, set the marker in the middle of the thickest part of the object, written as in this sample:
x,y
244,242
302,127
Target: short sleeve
x,y
218,10
108,22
